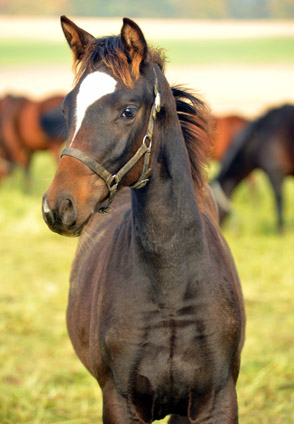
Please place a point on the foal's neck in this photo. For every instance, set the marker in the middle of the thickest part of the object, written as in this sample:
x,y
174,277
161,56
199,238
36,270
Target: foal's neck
x,y
166,217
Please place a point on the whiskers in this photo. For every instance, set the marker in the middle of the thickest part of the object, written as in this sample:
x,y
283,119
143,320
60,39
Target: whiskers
x,y
90,236
87,238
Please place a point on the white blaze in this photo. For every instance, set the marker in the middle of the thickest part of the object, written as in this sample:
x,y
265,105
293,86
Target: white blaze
x,y
93,87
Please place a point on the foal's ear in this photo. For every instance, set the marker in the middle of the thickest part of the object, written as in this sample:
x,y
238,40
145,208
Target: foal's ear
x,y
133,40
77,38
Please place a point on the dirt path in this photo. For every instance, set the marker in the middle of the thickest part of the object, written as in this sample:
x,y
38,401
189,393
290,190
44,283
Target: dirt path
x,y
244,89
248,90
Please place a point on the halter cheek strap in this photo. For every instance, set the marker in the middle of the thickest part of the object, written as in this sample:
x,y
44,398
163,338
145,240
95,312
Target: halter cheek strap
x,y
113,180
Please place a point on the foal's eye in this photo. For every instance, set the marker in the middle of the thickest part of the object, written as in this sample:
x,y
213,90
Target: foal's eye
x,y
129,112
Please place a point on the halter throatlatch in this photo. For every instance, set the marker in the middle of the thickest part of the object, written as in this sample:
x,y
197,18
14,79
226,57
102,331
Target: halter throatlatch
x,y
113,181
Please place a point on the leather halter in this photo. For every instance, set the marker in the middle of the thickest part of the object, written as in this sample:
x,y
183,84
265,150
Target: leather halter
x,y
112,181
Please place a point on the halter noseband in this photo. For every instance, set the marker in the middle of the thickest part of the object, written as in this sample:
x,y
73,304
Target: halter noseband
x,y
112,181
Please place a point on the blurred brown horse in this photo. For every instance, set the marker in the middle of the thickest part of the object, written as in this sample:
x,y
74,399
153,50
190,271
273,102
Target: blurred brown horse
x,y
226,129
22,132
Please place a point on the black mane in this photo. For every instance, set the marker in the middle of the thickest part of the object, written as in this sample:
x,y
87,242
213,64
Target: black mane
x,y
195,122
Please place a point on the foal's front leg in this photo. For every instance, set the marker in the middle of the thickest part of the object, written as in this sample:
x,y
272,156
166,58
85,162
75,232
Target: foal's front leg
x,y
115,407
218,407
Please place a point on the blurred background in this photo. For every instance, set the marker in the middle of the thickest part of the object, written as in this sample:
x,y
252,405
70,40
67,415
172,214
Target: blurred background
x,y
215,46
238,55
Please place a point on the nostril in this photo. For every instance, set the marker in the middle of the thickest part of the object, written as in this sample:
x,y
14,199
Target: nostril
x,y
67,212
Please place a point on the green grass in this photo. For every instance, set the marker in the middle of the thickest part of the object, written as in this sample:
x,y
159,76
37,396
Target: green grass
x,y
238,51
25,52
41,379
265,264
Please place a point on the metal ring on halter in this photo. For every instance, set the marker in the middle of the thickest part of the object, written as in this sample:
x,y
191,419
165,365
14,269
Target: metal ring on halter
x,y
147,137
111,186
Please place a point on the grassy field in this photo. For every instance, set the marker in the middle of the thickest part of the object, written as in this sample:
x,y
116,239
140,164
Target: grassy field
x,y
249,51
41,379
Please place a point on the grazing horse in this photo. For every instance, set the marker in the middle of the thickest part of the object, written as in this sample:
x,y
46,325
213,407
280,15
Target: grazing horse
x,y
155,307
268,144
22,132
226,129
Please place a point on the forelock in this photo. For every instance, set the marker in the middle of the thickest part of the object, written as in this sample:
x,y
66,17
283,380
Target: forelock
x,y
110,52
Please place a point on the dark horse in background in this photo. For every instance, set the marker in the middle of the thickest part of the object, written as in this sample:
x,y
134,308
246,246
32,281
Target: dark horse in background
x,y
267,144
23,132
155,306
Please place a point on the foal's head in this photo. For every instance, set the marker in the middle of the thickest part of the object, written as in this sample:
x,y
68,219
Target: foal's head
x,y
109,112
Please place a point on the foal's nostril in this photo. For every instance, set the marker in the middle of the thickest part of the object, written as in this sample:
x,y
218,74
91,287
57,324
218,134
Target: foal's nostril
x,y
67,212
